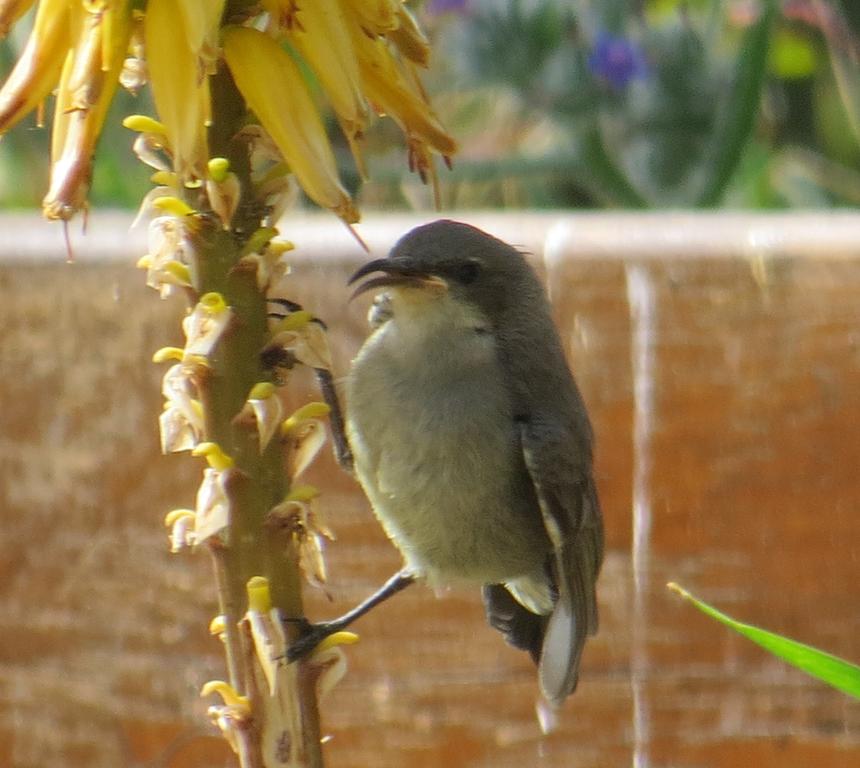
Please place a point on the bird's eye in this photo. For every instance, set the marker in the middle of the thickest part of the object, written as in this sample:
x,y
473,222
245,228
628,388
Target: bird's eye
x,y
468,271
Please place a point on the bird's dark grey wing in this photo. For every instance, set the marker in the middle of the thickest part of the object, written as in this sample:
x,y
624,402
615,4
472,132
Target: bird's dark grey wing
x,y
571,514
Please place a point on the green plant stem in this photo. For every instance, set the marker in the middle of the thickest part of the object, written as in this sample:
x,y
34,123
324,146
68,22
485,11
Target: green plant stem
x,y
259,482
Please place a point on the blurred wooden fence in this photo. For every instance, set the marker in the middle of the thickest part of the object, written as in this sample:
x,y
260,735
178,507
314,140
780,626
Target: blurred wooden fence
x,y
720,358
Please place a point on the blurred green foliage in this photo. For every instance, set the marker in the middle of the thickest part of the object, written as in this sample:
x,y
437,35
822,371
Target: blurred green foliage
x,y
661,103
590,103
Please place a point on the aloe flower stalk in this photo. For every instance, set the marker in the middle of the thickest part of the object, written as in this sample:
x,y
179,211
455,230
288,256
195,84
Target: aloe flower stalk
x,y
235,121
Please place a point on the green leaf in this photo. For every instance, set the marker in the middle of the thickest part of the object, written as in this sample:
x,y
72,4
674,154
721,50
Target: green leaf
x,y
738,113
843,58
830,669
604,177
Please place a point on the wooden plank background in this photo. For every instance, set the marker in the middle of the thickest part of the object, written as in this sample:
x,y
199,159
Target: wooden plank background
x,y
720,359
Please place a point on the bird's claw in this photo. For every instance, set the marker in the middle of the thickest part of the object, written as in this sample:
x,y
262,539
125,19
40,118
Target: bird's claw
x,y
312,635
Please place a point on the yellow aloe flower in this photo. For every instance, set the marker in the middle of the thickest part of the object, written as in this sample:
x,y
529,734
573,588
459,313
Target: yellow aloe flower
x,y
152,146
319,31
218,625
171,261
89,81
215,456
409,39
164,354
305,435
38,67
265,408
205,325
233,715
201,20
179,89
228,694
377,17
213,507
222,189
267,631
286,110
328,661
181,524
300,334
299,515
269,264
181,421
393,89
258,239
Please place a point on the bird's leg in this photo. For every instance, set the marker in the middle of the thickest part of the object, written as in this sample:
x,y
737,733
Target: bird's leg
x,y
314,634
342,451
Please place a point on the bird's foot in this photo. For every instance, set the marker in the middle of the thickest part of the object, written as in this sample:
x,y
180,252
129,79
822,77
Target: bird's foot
x,y
312,635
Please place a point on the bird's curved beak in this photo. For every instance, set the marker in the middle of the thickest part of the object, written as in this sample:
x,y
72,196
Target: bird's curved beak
x,y
395,275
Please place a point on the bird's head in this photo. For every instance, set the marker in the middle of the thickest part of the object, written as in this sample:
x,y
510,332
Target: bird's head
x,y
453,260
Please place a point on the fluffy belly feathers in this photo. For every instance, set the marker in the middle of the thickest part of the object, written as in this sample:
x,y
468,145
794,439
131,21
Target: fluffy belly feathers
x,y
444,471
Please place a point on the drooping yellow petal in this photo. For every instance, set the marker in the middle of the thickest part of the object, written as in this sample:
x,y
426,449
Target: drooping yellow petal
x,y
376,16
320,33
38,67
180,93
86,91
285,108
200,19
83,81
409,39
393,90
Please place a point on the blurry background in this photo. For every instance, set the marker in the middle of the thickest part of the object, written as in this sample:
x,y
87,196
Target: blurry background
x,y
719,355
587,103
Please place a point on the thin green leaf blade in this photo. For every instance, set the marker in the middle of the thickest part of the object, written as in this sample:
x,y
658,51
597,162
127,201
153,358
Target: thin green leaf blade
x,y
738,113
826,667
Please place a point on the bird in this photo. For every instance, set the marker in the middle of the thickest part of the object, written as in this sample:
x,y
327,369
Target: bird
x,y
472,442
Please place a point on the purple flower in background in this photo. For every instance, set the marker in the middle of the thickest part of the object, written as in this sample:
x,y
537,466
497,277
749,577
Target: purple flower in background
x,y
616,60
438,7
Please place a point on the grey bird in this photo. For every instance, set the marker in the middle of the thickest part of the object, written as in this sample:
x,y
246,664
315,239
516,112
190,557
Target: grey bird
x,y
473,445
